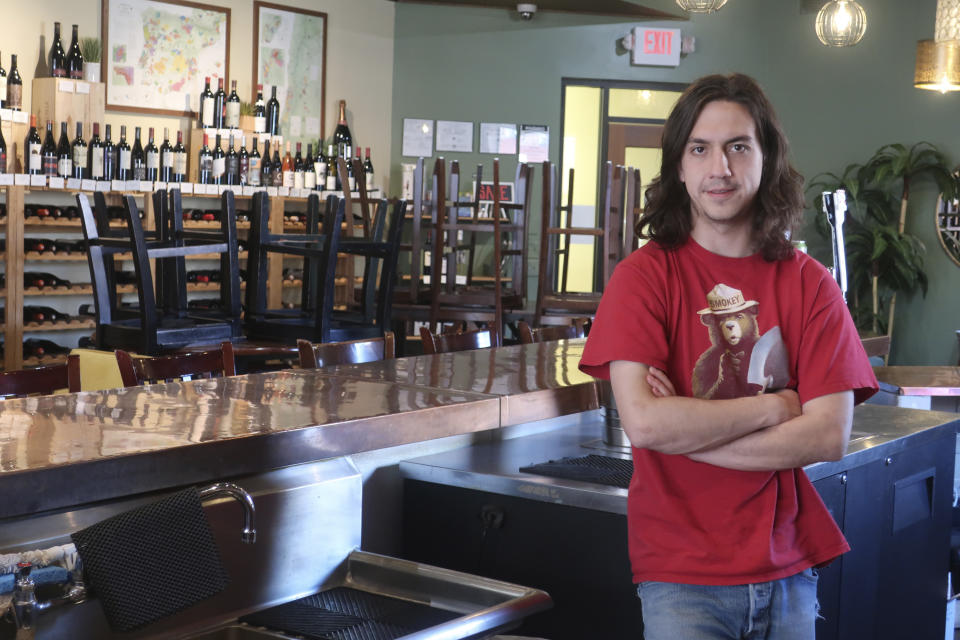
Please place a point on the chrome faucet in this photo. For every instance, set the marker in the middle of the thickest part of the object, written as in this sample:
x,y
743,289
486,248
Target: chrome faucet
x,y
25,606
229,489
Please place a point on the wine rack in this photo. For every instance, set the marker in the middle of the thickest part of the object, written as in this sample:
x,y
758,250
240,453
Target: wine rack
x,y
14,227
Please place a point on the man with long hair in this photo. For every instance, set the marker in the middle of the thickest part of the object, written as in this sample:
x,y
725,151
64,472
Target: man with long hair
x,y
734,362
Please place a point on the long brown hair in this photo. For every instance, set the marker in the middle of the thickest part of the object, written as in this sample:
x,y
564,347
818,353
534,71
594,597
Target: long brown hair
x,y
779,205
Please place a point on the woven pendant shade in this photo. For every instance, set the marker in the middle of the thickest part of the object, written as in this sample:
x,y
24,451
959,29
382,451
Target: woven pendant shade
x,y
938,60
701,6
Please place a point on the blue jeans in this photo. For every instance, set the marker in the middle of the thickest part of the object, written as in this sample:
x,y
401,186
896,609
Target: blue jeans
x,y
784,609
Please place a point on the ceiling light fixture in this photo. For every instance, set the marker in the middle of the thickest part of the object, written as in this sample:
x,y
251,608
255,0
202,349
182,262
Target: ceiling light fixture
x,y
701,6
841,23
938,60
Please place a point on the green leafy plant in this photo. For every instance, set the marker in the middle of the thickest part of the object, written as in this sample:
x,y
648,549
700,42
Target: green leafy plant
x,y
90,48
882,259
246,108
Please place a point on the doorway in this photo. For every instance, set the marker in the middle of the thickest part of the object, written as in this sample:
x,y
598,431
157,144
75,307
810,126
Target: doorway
x,y
604,120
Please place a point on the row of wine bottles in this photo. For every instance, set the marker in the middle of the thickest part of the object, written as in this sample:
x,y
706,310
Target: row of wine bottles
x,y
101,159
46,245
199,276
221,111
243,167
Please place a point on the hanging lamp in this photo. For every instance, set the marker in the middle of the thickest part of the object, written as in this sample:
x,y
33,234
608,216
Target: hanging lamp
x,y
938,60
841,23
701,6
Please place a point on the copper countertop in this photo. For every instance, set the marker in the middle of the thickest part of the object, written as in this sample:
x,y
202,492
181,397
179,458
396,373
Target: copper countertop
x,y
61,450
533,381
921,380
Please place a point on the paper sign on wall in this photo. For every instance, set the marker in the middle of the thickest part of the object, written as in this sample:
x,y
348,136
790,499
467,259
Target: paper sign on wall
x,y
534,143
498,138
417,137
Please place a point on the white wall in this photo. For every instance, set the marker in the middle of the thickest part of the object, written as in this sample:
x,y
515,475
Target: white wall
x,y
359,59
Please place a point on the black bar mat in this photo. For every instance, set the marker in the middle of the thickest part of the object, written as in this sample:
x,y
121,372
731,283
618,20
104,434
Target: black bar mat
x,y
151,561
611,472
349,614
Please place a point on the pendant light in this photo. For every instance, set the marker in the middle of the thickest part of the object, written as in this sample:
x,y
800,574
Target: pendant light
x,y
841,23
701,6
938,60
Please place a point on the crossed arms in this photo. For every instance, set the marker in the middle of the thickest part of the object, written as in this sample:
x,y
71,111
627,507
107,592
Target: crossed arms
x,y
765,432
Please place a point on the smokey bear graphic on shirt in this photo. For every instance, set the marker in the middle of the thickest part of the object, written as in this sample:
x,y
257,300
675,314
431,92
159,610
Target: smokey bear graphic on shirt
x,y
739,362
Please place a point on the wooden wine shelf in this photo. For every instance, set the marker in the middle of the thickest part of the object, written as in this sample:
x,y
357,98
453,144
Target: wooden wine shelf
x,y
44,360
46,256
72,290
86,323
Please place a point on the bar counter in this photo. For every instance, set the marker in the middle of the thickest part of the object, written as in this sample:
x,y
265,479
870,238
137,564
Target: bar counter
x,y
64,450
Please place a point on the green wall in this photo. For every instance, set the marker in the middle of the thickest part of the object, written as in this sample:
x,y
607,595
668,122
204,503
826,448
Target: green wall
x,y
837,105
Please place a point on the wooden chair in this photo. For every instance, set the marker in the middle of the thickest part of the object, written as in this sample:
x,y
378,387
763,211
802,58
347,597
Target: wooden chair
x,y
184,366
314,356
545,334
41,380
556,304
472,301
260,358
156,328
461,341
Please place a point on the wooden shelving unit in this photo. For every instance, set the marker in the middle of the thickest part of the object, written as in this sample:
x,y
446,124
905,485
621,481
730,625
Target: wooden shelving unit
x,y
15,226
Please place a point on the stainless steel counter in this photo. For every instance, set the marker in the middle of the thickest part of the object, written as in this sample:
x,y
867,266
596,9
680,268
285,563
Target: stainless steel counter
x,y
878,432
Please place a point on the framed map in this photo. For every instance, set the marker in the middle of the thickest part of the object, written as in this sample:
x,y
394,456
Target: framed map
x,y
156,54
291,55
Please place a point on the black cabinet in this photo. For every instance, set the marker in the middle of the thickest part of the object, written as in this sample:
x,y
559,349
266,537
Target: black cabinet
x,y
894,508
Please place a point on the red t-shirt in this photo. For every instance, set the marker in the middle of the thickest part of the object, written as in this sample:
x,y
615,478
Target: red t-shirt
x,y
693,522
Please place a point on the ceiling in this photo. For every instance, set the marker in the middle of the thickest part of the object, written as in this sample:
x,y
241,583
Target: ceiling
x,y
619,8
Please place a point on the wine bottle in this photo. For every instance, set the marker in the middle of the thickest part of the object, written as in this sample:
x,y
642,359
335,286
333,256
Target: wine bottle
x,y
166,157
41,279
277,166
368,169
219,102
64,154
341,135
48,152
3,153
259,112
298,177
273,113
79,154
219,163
109,156
266,166
58,58
351,176
320,167
96,155
206,105
205,173
232,119
152,158
138,163
75,58
231,165
125,162
253,170
39,314
309,174
244,162
14,86
37,245
332,183
179,159
3,88
288,168
35,348
31,146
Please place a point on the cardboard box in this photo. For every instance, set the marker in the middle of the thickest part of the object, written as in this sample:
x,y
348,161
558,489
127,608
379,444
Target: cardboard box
x,y
71,101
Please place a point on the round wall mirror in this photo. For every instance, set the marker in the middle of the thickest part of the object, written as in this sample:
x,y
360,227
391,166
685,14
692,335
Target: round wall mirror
x,y
948,227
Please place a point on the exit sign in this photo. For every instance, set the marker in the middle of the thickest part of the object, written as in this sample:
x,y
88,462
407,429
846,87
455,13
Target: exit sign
x,y
659,47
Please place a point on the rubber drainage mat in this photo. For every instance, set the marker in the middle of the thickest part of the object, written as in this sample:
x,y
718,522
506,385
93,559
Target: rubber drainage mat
x,y
349,614
612,472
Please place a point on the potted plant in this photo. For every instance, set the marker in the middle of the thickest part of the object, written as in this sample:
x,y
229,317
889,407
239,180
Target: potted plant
x,y
90,48
246,116
882,259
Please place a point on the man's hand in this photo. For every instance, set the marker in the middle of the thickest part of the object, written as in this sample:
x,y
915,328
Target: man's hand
x,y
660,384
